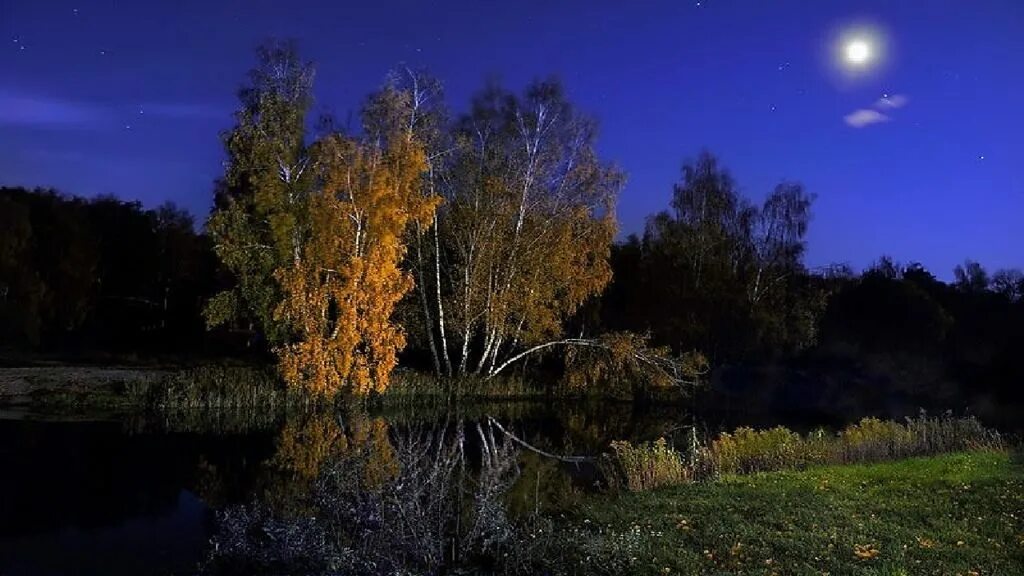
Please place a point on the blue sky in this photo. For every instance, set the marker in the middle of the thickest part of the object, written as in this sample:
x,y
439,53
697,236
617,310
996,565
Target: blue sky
x,y
128,98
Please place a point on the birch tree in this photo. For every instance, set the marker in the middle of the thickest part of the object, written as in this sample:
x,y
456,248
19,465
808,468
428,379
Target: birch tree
x,y
413,101
314,233
260,212
339,295
525,229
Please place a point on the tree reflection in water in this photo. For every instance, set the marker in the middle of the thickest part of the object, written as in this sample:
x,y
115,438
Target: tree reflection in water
x,y
355,495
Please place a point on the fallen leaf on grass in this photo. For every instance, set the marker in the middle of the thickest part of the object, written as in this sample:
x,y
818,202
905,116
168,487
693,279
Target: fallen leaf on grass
x,y
865,551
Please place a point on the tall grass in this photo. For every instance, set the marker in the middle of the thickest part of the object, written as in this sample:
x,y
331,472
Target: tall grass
x,y
220,387
746,451
234,387
420,389
646,466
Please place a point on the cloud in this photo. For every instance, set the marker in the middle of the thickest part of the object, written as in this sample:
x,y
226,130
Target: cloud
x,y
45,112
864,117
876,115
892,102
23,109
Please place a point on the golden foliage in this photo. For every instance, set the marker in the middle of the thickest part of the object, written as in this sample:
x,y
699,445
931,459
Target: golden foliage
x,y
340,293
625,363
526,229
305,445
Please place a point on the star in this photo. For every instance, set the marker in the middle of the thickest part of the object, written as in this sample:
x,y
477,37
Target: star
x,y
103,52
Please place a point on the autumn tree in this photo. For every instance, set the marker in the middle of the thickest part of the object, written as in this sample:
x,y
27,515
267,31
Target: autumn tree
x,y
314,232
261,205
340,292
522,238
413,101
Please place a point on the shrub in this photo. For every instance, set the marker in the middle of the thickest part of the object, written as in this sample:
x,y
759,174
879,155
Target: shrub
x,y
417,389
223,387
747,450
872,439
647,465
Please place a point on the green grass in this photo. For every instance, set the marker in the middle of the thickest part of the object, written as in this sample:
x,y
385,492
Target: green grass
x,y
953,514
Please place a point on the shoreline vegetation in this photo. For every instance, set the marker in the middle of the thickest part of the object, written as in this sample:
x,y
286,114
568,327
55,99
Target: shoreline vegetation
x,y
237,387
930,494
958,513
634,467
56,388
747,502
214,386
650,465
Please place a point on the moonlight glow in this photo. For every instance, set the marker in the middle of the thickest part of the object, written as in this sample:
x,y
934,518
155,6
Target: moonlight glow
x,y
858,52
860,49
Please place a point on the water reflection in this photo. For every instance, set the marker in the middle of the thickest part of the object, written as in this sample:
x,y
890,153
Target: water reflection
x,y
382,500
95,498
419,489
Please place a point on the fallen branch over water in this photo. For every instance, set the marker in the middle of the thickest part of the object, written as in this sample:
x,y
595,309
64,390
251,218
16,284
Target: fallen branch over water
x,y
528,446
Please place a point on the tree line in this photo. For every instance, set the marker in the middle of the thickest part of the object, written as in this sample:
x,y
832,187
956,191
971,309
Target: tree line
x,y
469,244
100,274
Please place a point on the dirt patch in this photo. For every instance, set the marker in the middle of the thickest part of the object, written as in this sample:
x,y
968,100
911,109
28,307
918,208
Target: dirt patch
x,y
21,385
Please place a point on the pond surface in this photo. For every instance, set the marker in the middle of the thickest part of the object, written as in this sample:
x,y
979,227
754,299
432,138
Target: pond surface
x,y
130,494
135,495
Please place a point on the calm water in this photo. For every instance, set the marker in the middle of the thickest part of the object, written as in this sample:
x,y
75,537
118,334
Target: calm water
x,y
133,495
130,494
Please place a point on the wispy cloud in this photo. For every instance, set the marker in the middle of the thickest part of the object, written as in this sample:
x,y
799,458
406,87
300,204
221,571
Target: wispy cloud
x,y
891,102
876,114
864,117
44,112
40,111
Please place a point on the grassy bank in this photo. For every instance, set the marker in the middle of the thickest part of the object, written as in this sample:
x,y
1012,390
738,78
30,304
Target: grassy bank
x,y
234,386
952,514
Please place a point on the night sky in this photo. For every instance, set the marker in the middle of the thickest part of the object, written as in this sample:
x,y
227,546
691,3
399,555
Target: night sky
x,y
918,153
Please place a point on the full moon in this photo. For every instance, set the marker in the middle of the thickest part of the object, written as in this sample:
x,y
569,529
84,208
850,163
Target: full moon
x,y
859,49
858,52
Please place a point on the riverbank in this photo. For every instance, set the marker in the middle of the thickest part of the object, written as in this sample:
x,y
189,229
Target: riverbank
x,y
86,386
238,385
950,514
